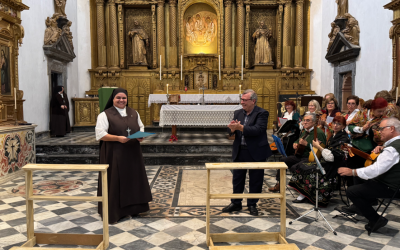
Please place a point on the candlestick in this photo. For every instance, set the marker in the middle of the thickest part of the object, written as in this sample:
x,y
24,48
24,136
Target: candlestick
x,y
219,66
160,67
181,67
15,98
167,88
242,68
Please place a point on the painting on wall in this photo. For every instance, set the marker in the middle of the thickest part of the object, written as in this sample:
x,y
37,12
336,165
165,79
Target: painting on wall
x,y
5,70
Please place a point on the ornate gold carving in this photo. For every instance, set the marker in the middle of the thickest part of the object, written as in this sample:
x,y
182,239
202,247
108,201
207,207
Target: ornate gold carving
x,y
59,7
228,33
114,35
240,32
247,37
67,30
298,62
85,112
153,38
343,8
173,41
138,93
266,91
101,39
143,17
332,35
160,31
279,38
286,35
121,37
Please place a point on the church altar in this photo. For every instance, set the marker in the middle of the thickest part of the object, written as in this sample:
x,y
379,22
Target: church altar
x,y
196,98
197,115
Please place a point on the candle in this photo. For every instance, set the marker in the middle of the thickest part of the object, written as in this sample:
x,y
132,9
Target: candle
x,y
397,93
240,89
15,97
181,67
242,68
160,67
219,66
167,89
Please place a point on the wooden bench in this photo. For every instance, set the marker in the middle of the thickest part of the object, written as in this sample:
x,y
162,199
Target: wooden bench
x,y
249,237
99,240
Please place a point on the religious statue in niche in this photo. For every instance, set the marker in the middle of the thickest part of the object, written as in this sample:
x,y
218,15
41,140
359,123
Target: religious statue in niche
x,y
5,70
262,50
332,35
52,32
66,29
139,42
343,8
201,29
59,6
352,30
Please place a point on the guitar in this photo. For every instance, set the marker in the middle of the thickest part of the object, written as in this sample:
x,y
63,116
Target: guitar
x,y
317,152
300,148
369,158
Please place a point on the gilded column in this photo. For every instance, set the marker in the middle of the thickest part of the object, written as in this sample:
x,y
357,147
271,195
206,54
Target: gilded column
x,y
113,35
298,49
154,35
121,36
286,35
228,33
279,42
160,32
247,37
240,32
101,36
173,62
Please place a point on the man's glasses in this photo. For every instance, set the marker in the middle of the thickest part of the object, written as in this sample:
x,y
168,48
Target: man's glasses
x,y
382,128
307,120
245,100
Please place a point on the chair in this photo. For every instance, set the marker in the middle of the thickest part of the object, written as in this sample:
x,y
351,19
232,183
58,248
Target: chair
x,y
386,206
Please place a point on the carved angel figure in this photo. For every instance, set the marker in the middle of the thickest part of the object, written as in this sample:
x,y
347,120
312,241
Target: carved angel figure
x,y
52,32
190,30
262,50
352,30
59,6
66,29
332,35
139,42
343,8
210,30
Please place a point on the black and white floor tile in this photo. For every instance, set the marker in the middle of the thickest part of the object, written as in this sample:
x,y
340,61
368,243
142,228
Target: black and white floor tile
x,y
182,232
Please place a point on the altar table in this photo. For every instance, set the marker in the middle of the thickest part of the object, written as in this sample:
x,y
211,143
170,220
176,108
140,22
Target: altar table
x,y
197,115
196,98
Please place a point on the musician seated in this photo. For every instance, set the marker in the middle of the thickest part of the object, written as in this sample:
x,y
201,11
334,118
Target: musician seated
x,y
302,154
313,108
382,177
304,178
290,138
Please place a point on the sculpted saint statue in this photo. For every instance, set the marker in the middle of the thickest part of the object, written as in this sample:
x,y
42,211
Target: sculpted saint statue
x,y
67,30
334,31
352,30
191,36
262,49
60,7
139,42
52,32
343,8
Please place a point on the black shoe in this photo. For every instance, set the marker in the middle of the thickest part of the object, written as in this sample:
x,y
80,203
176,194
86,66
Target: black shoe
x,y
351,210
253,210
232,207
380,223
305,200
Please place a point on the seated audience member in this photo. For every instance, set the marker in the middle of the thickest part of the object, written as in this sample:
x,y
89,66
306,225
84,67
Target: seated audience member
x,y
313,108
361,104
304,178
292,161
352,103
382,177
331,107
391,109
290,114
326,97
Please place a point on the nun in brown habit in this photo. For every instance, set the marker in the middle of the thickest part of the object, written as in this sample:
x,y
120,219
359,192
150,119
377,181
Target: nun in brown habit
x,y
59,120
128,187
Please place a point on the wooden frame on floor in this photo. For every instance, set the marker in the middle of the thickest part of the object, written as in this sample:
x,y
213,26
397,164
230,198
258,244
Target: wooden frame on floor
x,y
249,237
99,240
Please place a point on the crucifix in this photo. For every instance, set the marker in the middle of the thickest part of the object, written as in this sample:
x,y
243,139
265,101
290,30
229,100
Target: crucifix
x,y
129,131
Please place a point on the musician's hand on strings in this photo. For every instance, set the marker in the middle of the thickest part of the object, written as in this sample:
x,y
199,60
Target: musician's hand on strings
x,y
377,150
316,144
295,145
303,142
345,171
366,126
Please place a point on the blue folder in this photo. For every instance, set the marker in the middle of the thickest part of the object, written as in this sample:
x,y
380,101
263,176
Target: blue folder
x,y
140,134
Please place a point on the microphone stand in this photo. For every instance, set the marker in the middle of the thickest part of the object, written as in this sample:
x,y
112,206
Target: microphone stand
x,y
316,208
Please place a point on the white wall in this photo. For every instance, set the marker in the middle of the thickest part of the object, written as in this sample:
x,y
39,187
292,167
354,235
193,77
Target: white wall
x,y
33,77
374,65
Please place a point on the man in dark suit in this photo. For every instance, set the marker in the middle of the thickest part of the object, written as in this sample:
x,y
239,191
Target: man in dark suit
x,y
251,145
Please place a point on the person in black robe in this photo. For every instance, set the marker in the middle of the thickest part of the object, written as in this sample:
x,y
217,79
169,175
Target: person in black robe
x,y
59,119
128,188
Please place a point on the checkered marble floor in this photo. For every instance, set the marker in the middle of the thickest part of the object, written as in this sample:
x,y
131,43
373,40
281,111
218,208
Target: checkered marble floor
x,y
89,138
179,233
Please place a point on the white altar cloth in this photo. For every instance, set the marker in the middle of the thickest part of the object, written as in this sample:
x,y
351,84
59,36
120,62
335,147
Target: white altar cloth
x,y
196,98
197,115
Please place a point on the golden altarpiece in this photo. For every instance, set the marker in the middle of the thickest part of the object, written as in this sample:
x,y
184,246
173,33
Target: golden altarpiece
x,y
195,37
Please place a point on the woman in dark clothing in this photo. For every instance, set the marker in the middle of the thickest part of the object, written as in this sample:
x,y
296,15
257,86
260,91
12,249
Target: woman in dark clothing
x,y
59,120
128,187
304,178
